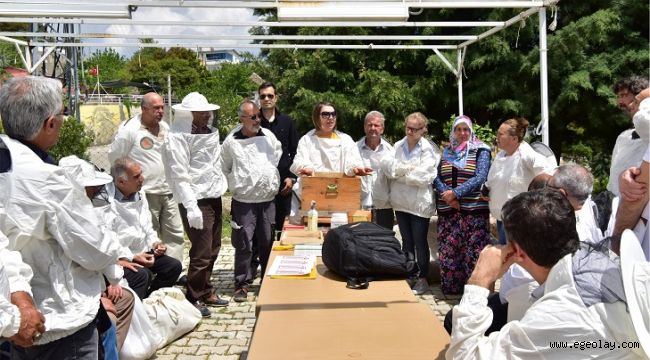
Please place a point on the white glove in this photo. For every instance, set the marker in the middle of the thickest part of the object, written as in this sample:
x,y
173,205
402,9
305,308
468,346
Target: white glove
x,y
195,217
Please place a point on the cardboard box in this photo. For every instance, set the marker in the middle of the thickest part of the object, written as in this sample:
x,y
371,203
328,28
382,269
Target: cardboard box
x,y
377,331
333,192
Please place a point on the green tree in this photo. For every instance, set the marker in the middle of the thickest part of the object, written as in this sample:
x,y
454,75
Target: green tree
x,y
8,54
227,87
111,66
152,65
74,139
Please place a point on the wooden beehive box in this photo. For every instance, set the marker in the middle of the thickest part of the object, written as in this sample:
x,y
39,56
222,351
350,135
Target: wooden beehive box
x,y
333,192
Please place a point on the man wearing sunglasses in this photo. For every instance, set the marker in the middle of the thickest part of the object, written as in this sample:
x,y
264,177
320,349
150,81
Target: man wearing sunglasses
x,y
284,129
250,158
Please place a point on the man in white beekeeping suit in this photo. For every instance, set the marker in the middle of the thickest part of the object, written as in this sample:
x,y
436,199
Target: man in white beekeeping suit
x,y
192,156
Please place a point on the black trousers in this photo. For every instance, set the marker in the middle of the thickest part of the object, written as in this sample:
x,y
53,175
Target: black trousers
x,y
499,315
163,273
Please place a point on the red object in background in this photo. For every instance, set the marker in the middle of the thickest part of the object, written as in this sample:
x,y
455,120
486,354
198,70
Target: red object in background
x,y
93,71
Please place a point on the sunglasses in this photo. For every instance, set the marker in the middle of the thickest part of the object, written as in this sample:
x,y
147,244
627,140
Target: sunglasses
x,y
328,114
252,117
412,129
267,96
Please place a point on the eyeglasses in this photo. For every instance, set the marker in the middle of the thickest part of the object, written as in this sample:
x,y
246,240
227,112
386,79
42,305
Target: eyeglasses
x,y
252,117
412,129
267,96
328,114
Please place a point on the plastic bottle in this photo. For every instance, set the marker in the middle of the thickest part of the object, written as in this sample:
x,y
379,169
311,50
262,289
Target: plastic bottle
x,y
312,217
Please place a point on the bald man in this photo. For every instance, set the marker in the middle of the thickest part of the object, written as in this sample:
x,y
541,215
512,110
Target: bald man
x,y
141,138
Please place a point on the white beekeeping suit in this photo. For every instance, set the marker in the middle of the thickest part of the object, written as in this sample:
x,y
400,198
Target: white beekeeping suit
x,y
14,276
193,167
411,188
52,224
510,175
339,154
327,155
250,165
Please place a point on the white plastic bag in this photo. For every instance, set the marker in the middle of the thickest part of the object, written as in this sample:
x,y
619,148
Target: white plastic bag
x,y
141,341
171,315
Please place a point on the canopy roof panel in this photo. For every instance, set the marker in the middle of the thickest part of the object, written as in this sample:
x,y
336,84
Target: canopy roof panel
x,y
65,22
337,13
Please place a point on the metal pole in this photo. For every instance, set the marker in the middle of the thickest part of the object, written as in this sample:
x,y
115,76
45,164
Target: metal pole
x,y
75,60
169,96
459,80
543,76
33,53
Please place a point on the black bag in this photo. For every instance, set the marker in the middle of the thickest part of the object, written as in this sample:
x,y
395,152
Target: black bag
x,y
364,250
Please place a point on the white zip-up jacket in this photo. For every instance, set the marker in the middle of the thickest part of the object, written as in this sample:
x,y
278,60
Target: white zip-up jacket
x,y
411,179
14,276
594,329
193,166
51,222
375,188
510,175
250,165
135,141
327,155
133,226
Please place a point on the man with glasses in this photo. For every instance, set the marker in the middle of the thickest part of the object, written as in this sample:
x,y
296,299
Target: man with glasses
x,y
284,129
141,138
576,183
249,160
47,217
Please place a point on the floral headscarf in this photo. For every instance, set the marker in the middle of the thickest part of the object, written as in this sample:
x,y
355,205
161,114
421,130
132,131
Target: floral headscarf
x,y
456,153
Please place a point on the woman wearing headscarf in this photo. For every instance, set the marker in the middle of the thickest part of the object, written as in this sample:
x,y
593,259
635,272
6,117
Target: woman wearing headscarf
x,y
463,217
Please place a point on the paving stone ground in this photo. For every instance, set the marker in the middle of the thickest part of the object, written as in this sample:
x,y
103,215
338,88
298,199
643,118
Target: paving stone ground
x,y
226,335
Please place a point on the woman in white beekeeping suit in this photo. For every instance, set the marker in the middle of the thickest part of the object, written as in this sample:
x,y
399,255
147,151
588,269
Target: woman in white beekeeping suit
x,y
192,156
412,171
325,149
513,167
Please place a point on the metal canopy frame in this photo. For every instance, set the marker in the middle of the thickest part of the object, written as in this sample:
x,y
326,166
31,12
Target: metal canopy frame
x,y
97,12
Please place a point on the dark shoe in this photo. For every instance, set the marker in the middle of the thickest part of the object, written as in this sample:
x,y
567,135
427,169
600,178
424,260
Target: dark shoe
x,y
421,286
205,312
240,295
357,283
411,282
182,281
214,300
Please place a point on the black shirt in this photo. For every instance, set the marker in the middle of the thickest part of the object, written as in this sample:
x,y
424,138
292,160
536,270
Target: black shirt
x,y
285,131
240,135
